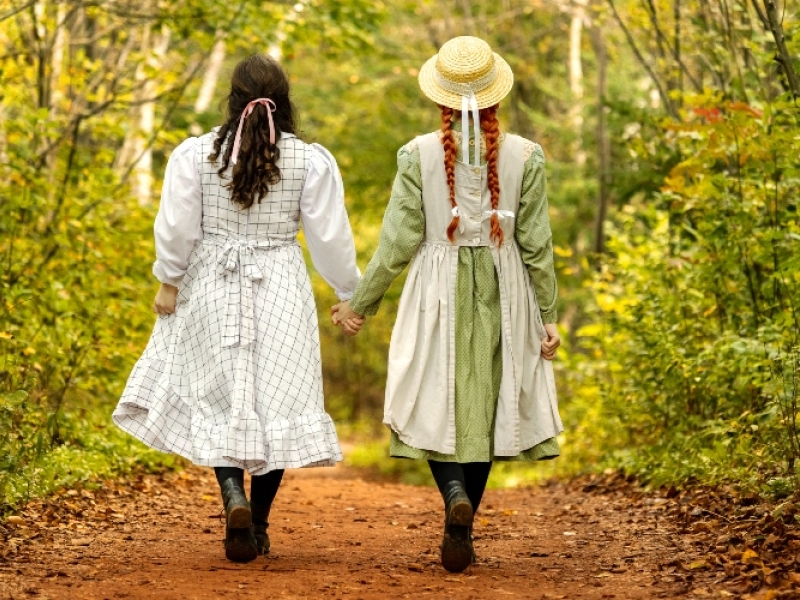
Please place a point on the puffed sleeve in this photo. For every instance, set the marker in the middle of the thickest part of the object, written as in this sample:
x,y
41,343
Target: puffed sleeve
x,y
327,229
178,226
534,236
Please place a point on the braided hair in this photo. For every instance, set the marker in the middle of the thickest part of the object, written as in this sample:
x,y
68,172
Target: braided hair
x,y
491,129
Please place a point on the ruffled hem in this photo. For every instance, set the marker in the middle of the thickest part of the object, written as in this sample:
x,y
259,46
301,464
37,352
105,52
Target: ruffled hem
x,y
168,424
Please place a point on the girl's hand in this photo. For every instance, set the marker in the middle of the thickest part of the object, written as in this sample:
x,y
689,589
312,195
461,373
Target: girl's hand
x,y
343,315
551,344
164,303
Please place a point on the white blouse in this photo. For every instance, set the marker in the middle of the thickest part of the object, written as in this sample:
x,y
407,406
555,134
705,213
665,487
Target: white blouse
x,y
178,226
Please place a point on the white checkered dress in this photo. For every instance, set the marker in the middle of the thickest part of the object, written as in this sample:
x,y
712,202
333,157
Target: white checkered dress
x,y
234,377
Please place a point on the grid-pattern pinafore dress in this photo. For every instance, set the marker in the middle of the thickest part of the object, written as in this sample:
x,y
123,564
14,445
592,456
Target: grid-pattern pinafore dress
x,y
233,377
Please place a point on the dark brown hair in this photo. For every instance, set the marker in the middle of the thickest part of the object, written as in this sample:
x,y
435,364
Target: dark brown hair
x,y
257,76
491,130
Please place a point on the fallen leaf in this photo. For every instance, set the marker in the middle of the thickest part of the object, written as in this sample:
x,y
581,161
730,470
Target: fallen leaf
x,y
750,557
15,520
80,542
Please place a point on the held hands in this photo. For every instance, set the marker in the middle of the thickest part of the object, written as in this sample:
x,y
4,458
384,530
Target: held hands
x,y
343,315
164,304
551,344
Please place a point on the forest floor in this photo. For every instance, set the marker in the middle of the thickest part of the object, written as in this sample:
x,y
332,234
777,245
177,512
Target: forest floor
x,y
336,534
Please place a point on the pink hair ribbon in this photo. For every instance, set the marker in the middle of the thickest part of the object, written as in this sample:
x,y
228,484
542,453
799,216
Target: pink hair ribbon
x,y
271,108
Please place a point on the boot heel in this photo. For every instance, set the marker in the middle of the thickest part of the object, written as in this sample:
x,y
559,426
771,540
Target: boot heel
x,y
461,514
240,517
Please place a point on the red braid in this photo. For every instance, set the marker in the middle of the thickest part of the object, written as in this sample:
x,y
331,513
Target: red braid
x,y
491,130
450,153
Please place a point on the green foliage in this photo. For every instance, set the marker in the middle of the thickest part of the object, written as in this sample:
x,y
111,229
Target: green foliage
x,y
89,449
75,246
70,292
692,356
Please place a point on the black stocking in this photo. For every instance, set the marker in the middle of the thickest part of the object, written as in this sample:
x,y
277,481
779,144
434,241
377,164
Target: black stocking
x,y
263,488
476,475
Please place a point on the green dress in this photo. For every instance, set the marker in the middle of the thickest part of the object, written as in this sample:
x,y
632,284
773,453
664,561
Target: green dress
x,y
478,363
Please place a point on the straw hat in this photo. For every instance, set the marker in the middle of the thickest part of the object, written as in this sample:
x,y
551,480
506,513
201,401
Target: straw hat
x,y
466,64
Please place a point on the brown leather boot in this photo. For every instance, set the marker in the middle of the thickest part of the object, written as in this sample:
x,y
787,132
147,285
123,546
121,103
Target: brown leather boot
x,y
240,543
457,552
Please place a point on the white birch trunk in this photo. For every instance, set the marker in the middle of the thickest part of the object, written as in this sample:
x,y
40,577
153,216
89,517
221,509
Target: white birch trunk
x,y
143,170
211,76
57,62
576,80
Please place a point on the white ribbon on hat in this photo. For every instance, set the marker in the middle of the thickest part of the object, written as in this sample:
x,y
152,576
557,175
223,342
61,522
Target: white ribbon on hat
x,y
470,103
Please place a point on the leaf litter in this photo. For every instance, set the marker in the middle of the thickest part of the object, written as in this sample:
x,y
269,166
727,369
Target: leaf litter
x,y
593,537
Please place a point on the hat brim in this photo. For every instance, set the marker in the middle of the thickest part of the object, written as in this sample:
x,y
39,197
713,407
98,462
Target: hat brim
x,y
489,96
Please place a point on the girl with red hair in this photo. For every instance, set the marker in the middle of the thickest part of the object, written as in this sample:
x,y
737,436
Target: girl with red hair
x,y
470,379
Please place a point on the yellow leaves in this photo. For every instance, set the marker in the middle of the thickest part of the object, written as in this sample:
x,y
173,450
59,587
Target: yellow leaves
x,y
674,183
4,335
29,351
750,557
710,311
591,330
562,252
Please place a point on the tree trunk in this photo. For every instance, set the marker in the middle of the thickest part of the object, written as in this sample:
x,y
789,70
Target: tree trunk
x,y
576,81
57,61
143,172
603,142
783,57
211,75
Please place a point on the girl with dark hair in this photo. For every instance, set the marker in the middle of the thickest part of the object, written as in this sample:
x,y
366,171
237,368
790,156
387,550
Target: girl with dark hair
x,y
231,377
470,379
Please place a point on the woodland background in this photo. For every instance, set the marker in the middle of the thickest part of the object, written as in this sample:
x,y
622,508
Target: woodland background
x,y
671,134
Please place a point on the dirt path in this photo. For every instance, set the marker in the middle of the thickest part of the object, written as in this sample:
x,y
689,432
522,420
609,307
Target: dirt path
x,y
335,535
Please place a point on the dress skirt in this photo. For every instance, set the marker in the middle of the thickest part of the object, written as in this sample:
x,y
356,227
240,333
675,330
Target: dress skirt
x,y
478,368
233,377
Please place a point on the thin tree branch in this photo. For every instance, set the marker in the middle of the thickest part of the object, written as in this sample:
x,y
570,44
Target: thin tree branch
x,y
10,13
783,58
632,43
